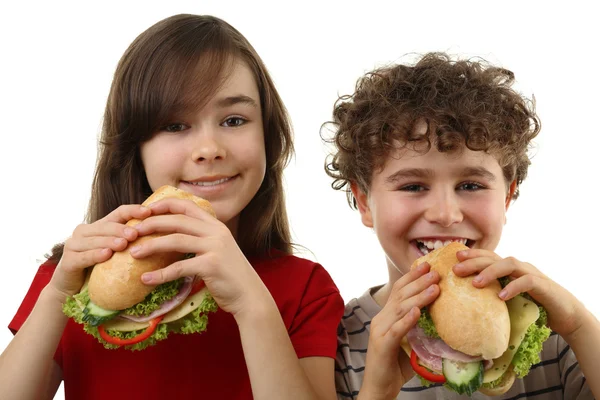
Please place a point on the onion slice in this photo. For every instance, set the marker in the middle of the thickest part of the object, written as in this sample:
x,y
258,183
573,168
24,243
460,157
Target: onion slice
x,y
167,306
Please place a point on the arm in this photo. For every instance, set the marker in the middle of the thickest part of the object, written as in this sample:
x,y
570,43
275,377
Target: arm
x,y
270,358
585,343
27,368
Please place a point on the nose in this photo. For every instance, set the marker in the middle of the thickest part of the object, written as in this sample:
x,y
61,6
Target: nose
x,y
207,147
444,208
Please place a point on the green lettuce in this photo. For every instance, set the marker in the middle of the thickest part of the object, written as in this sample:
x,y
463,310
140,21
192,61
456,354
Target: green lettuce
x,y
426,324
194,322
529,350
153,301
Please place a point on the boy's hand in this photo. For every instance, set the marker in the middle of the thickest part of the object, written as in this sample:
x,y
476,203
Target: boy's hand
x,y
387,365
565,313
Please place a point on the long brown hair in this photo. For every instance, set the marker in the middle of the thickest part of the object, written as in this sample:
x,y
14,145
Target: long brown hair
x,y
157,77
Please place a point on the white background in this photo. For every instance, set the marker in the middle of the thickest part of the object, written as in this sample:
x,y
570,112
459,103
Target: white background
x,y
56,66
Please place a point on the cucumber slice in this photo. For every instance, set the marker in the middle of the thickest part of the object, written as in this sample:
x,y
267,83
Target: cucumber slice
x,y
94,315
463,378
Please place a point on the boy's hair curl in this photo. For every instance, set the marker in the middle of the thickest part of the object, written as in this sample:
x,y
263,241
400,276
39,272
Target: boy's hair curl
x,y
463,102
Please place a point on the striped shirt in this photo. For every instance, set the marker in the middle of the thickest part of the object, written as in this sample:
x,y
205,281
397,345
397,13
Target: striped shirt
x,y
557,376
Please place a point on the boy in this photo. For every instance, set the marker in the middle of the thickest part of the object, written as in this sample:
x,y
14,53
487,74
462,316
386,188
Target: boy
x,y
435,152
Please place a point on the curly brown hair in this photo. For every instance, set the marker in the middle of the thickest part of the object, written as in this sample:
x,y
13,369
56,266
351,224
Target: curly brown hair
x,y
464,102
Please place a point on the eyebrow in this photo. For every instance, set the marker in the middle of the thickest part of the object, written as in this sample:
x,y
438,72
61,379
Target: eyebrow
x,y
409,173
422,173
232,100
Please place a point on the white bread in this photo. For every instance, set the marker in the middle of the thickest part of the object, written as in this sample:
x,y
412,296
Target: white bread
x,y
471,320
116,283
507,381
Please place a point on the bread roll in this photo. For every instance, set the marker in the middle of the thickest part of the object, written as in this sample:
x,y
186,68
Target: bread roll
x,y
471,320
116,283
507,381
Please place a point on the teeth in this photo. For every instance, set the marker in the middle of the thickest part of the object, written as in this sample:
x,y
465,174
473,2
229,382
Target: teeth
x,y
430,245
213,183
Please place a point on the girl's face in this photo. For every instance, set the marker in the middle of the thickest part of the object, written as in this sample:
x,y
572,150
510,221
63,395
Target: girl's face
x,y
421,201
216,153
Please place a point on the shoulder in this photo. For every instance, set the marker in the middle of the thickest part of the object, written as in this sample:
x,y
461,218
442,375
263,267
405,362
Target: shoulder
x,y
287,269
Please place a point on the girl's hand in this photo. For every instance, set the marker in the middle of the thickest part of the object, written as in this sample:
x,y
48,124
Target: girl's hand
x,y
228,275
94,243
387,365
565,313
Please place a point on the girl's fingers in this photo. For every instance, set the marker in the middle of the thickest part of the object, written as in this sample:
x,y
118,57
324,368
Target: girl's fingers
x,y
79,260
177,242
172,223
127,212
179,206
82,244
104,228
174,271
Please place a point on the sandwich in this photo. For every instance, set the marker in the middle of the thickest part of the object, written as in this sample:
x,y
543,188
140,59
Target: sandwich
x,y
469,339
119,310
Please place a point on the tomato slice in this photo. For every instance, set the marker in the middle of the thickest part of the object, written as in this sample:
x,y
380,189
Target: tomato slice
x,y
424,372
145,334
199,285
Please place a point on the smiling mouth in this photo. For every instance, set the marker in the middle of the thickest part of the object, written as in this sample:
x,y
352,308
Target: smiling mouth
x,y
428,245
211,183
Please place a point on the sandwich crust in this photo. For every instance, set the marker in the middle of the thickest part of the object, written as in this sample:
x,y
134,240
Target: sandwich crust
x,y
507,381
116,283
471,320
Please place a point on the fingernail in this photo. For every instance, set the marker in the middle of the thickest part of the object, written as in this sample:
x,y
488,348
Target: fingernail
x,y
459,266
478,279
431,289
430,275
461,253
129,232
118,241
135,249
147,278
422,267
502,294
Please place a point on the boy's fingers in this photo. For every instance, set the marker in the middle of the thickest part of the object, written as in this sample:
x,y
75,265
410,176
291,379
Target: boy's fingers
x,y
472,265
476,253
532,284
509,266
400,328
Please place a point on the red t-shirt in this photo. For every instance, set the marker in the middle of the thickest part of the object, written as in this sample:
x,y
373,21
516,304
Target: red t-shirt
x,y
210,365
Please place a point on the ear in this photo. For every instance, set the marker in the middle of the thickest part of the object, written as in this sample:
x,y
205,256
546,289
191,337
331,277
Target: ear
x,y
511,193
362,201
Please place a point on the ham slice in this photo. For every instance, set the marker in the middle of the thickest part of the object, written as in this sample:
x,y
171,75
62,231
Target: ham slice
x,y
431,351
167,306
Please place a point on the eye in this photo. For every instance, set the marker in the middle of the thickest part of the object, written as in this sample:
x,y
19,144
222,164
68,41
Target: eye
x,y
176,127
471,186
414,187
234,121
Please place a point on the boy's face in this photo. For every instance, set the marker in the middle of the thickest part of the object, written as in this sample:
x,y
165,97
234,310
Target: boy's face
x,y
420,201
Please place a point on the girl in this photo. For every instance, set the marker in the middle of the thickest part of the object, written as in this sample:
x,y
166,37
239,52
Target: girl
x,y
192,106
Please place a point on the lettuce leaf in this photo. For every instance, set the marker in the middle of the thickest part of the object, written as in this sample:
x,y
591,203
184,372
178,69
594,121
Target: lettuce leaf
x,y
529,350
425,322
194,322
155,299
